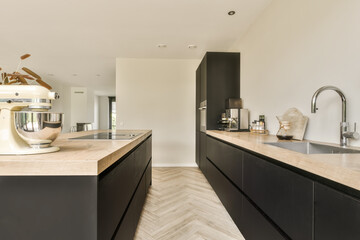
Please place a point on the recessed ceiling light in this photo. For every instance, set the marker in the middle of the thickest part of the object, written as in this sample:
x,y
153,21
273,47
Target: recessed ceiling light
x,y
162,45
192,46
230,13
50,74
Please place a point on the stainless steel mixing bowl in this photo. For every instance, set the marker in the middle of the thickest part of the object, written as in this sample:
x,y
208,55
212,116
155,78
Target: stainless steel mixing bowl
x,y
38,129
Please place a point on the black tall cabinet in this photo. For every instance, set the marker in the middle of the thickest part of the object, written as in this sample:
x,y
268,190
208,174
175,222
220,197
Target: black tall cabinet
x,y
217,78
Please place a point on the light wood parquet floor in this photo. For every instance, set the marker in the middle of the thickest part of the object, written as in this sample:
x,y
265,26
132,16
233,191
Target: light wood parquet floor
x,y
181,205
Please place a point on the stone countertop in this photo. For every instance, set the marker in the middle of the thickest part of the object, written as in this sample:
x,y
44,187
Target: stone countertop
x,y
340,168
76,157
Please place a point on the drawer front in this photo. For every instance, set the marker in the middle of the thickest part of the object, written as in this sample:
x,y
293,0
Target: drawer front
x,y
114,193
337,216
284,196
148,151
230,197
130,221
203,152
140,160
227,158
255,226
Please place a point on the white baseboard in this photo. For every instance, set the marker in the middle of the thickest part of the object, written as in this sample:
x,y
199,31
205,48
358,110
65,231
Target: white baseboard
x,y
174,165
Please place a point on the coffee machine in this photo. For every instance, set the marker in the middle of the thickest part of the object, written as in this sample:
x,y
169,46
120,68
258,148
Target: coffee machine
x,y
238,118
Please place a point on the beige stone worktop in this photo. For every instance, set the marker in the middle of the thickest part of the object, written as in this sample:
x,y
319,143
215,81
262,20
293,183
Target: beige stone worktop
x,y
76,157
341,168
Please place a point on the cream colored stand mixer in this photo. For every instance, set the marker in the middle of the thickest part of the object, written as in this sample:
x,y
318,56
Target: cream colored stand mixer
x,y
25,125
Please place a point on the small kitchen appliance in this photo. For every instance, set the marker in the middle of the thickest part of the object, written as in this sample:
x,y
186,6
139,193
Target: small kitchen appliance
x,y
238,118
25,125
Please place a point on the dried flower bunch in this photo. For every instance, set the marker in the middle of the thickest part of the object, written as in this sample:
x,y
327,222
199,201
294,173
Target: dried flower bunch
x,y
22,79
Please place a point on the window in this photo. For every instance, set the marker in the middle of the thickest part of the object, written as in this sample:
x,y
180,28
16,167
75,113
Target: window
x,y
112,113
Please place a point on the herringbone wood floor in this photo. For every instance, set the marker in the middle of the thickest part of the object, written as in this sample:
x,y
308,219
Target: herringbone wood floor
x,y
182,205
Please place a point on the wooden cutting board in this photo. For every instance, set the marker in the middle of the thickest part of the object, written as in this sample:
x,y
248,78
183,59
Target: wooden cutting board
x,y
298,123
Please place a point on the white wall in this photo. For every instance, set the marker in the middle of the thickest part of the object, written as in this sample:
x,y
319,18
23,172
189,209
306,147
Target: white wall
x,y
79,100
96,113
159,94
294,48
104,112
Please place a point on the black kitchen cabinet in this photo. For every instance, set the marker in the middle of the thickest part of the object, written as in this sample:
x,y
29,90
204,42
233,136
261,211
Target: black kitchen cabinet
x,y
114,194
203,161
337,215
128,224
197,126
217,79
230,197
227,158
286,197
203,79
279,201
77,207
255,226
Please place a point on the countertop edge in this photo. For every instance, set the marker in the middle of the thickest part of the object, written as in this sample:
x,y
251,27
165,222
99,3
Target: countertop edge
x,y
341,175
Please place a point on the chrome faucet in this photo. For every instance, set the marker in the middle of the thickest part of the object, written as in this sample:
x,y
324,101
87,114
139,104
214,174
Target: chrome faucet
x,y
344,133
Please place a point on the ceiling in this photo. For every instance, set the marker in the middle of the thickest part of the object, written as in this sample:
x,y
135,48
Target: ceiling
x,y
77,42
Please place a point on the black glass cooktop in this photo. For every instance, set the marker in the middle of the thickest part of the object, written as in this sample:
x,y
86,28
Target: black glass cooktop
x,y
109,135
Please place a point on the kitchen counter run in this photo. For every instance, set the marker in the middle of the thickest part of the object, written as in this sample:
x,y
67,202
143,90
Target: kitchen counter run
x,y
340,168
76,157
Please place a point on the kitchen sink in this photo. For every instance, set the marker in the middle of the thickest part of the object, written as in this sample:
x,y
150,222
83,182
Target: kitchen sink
x,y
312,148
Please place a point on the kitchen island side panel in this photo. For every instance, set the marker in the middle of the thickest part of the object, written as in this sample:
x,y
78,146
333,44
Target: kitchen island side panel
x,y
45,207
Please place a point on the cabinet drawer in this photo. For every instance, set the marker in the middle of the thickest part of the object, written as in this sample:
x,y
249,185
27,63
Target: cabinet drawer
x,y
255,226
227,158
337,216
140,161
284,196
203,152
115,189
130,221
230,197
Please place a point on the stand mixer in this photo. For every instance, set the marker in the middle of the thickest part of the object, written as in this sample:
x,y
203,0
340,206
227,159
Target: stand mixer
x,y
25,125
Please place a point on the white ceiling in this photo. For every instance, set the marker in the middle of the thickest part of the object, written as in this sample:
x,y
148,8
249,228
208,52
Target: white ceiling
x,y
84,37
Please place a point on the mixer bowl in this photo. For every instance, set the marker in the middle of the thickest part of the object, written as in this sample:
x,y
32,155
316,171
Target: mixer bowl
x,y
38,129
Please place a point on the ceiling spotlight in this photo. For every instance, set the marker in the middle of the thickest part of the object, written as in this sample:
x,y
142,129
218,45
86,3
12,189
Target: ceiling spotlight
x,y
230,13
162,45
192,46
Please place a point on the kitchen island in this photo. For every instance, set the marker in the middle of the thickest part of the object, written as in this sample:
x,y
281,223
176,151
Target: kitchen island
x,y
275,193
90,189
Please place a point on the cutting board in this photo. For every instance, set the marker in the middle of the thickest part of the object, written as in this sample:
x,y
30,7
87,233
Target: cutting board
x,y
298,123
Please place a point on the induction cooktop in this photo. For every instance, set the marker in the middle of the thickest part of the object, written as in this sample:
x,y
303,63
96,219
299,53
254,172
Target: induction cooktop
x,y
109,136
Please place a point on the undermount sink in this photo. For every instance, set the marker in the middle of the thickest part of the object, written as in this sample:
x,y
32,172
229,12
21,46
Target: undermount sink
x,y
312,148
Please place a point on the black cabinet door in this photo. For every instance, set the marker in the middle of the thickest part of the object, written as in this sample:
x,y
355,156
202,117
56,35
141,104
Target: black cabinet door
x,y
222,82
337,216
203,152
148,151
203,79
230,197
197,148
148,176
255,226
140,161
115,189
129,223
197,126
198,97
284,196
227,158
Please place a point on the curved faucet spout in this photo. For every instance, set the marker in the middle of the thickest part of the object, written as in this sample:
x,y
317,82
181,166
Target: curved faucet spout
x,y
343,99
